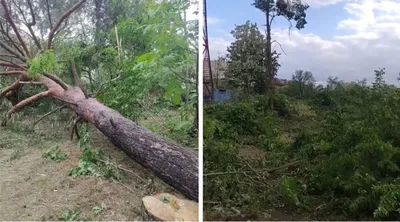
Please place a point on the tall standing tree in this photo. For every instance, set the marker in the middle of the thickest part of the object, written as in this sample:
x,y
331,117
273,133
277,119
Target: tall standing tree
x,y
291,10
246,58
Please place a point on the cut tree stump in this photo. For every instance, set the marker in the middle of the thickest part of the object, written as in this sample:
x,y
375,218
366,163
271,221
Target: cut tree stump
x,y
167,207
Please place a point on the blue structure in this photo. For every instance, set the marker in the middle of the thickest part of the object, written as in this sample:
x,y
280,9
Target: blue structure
x,y
222,95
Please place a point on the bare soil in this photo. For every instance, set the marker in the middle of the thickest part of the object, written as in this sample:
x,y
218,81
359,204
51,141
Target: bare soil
x,y
34,188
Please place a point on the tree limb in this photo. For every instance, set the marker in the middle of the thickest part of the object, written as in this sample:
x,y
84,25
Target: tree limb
x,y
279,45
48,14
28,101
7,55
74,128
30,24
30,83
57,80
49,113
63,17
6,34
8,17
16,72
77,79
12,51
10,64
13,86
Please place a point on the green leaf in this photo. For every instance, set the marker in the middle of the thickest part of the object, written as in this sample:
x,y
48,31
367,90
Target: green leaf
x,y
176,99
143,57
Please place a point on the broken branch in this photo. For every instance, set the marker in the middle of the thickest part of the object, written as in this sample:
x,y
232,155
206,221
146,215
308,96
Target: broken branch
x,y
30,24
12,65
57,80
12,72
8,17
279,46
12,51
77,79
28,101
30,83
63,17
48,14
48,114
13,86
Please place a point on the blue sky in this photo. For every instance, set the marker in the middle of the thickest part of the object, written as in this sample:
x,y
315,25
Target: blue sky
x,y
344,38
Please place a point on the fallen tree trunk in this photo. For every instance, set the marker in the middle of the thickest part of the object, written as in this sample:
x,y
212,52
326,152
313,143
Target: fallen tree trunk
x,y
174,164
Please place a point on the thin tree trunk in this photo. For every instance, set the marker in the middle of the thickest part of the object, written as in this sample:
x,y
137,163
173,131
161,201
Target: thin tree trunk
x,y
268,53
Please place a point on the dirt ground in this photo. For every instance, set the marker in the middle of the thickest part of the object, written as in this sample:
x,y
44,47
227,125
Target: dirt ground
x,y
34,188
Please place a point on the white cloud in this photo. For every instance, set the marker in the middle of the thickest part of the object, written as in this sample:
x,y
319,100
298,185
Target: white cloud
x,y
372,42
212,20
319,3
218,46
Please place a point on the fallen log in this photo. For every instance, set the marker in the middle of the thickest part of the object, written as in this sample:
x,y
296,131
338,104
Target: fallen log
x,y
174,164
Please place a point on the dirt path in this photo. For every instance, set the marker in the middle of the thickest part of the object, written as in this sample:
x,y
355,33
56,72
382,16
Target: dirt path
x,y
33,188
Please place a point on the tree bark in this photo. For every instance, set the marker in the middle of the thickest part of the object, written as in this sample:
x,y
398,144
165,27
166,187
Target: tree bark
x,y
268,53
175,165
172,163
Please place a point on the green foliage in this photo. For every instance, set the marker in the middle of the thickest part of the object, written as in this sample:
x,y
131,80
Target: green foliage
x,y
156,55
54,154
246,69
288,188
351,146
44,62
99,208
71,215
295,10
93,162
220,157
302,84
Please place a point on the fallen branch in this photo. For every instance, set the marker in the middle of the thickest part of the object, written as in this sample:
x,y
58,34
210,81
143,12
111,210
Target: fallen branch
x,y
8,17
10,64
16,72
48,114
63,17
12,51
74,128
121,168
77,80
13,86
57,80
28,101
149,112
252,171
30,83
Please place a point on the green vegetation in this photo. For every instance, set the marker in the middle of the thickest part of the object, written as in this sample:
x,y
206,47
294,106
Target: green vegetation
x,y
296,149
332,151
71,215
99,208
94,162
55,154
45,62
